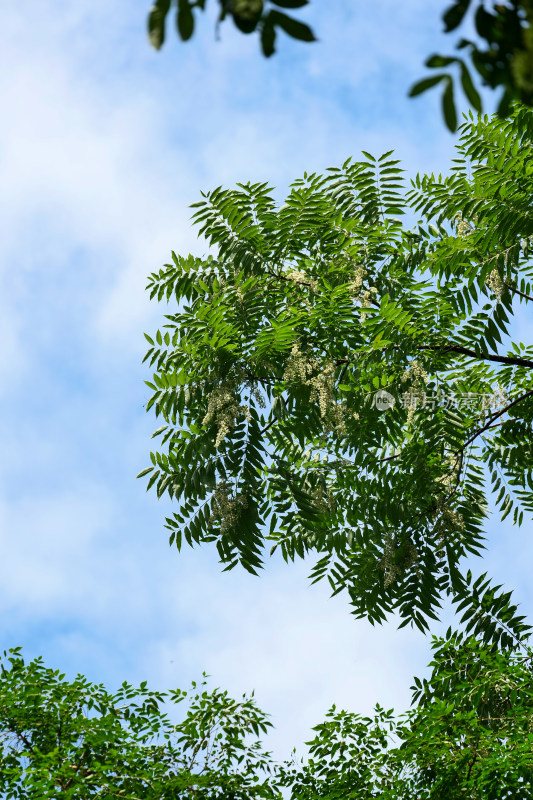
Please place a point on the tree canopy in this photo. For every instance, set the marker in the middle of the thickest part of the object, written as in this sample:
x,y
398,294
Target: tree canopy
x,y
75,739
334,381
468,734
500,56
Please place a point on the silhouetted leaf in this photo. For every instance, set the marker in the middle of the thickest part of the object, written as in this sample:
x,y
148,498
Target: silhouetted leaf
x,y
424,84
454,15
448,106
156,23
290,3
185,20
293,27
469,88
268,37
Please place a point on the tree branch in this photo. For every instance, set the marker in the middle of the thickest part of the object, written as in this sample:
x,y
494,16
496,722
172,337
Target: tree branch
x,y
494,417
517,291
465,351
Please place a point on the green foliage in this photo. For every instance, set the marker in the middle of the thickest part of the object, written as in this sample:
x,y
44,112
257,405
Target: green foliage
x,y
247,15
74,739
471,734
468,734
268,373
501,56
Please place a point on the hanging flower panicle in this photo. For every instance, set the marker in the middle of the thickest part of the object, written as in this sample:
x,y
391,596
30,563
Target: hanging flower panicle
x,y
495,283
301,278
463,227
300,368
361,295
398,557
224,410
226,507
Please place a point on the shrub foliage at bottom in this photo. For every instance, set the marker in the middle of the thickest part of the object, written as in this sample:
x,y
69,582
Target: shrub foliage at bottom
x,y
468,734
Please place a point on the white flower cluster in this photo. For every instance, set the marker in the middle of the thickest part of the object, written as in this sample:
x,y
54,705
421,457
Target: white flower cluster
x,y
447,521
301,278
323,499
495,283
226,507
362,296
450,476
416,373
322,388
322,385
357,281
397,557
298,366
463,227
224,409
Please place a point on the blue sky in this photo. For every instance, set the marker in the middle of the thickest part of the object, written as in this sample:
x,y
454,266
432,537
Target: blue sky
x,y
103,146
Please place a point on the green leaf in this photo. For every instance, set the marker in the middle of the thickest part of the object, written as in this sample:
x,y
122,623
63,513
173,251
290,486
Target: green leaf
x,y
185,20
156,23
469,88
454,15
448,106
424,84
292,27
290,3
268,37
437,61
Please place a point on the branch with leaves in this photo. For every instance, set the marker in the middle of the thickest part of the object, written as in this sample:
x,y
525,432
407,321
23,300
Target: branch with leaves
x,y
337,384
247,15
500,57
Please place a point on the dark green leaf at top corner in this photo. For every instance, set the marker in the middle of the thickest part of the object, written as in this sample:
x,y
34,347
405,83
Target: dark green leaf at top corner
x,y
156,23
454,15
290,3
185,20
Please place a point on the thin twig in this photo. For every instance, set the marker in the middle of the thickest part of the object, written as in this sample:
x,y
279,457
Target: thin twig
x,y
494,417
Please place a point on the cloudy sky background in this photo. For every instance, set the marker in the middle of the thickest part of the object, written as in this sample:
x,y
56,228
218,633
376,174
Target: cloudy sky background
x,y
104,144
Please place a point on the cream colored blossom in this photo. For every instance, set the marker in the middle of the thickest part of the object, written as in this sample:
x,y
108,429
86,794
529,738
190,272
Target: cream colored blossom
x,y
449,478
447,524
298,366
359,294
495,283
322,384
398,557
323,499
416,373
301,278
223,409
463,227
226,507
355,286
